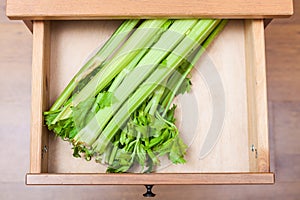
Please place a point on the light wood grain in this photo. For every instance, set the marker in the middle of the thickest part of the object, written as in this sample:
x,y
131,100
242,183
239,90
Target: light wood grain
x,y
40,93
150,179
257,96
107,9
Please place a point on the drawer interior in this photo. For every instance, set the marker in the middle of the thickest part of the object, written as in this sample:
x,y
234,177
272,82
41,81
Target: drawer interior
x,y
218,98
222,119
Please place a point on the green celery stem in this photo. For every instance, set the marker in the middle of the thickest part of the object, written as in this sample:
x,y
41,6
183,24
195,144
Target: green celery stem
x,y
195,37
204,46
114,41
143,69
125,54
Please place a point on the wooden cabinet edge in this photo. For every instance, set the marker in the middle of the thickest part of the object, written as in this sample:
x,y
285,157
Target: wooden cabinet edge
x,y
154,178
257,96
29,23
108,9
40,92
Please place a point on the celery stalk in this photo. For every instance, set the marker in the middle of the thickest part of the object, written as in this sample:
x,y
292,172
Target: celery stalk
x,y
137,41
166,43
88,135
112,43
193,39
203,47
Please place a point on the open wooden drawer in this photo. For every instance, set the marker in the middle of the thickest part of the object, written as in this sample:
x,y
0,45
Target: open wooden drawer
x,y
240,153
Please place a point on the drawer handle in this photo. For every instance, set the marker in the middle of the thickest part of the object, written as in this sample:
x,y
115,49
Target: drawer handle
x,y
149,192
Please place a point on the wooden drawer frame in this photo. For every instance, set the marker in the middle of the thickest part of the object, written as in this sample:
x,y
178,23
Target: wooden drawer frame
x,y
259,165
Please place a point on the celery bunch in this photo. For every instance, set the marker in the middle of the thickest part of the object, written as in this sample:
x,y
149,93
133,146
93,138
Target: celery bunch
x,y
117,108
